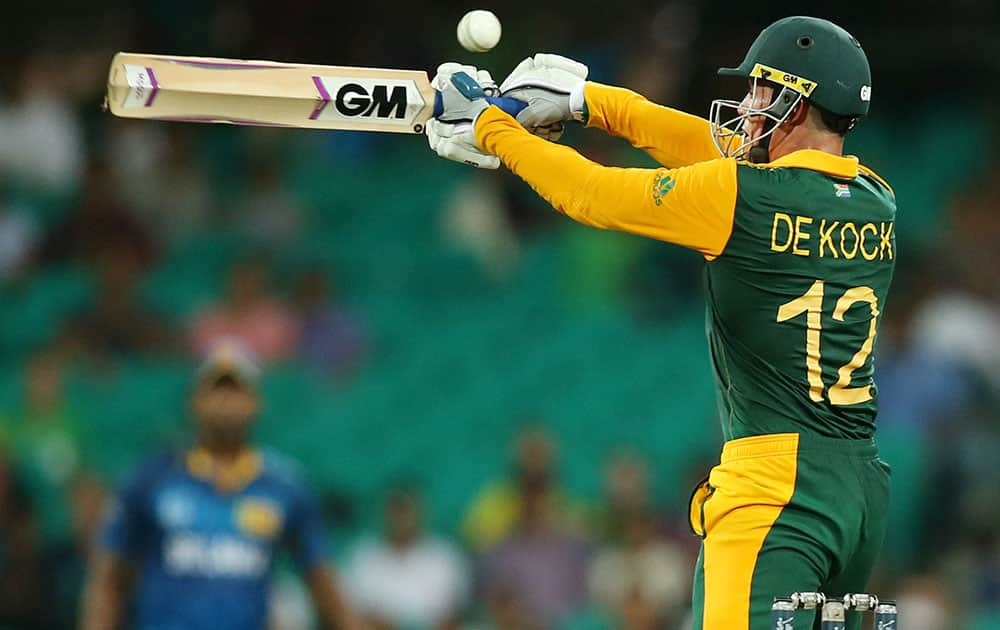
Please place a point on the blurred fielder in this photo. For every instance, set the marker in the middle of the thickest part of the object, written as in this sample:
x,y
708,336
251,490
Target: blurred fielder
x,y
201,527
799,245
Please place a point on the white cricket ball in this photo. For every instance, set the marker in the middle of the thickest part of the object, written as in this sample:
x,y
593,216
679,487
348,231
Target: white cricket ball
x,y
479,30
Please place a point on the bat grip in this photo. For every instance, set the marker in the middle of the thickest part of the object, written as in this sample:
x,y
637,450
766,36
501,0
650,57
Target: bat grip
x,y
512,106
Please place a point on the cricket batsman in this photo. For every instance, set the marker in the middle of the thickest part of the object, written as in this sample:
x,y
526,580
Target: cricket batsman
x,y
799,248
198,529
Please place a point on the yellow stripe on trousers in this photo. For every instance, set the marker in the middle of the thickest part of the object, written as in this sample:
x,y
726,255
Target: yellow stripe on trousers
x,y
754,482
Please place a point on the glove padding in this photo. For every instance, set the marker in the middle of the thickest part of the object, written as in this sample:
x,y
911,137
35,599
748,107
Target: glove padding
x,y
452,134
547,83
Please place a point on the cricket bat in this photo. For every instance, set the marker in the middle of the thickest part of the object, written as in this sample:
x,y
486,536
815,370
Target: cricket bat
x,y
273,94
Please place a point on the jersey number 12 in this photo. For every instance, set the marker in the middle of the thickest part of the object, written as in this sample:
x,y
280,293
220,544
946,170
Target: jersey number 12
x,y
811,303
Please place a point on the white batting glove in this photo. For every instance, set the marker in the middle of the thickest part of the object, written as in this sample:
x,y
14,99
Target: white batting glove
x,y
452,134
552,86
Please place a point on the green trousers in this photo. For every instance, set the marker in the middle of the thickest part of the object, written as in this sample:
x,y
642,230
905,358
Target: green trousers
x,y
781,514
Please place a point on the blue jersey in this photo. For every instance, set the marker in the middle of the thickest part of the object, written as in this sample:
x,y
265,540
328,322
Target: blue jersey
x,y
205,555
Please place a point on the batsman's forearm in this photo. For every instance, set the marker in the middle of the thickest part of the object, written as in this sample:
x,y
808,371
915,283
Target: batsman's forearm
x,y
581,189
692,206
674,138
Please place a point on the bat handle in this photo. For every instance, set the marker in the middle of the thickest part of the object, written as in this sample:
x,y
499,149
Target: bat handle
x,y
512,106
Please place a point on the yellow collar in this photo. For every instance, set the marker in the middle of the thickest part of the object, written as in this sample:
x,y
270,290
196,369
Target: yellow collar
x,y
840,166
226,477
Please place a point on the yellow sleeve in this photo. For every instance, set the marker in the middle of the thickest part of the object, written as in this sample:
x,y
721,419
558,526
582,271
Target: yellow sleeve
x,y
674,138
691,206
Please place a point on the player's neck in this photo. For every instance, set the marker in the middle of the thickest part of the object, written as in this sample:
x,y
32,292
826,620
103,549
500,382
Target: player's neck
x,y
223,451
403,542
800,140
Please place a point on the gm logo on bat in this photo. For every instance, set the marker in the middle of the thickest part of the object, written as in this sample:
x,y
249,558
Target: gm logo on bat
x,y
389,101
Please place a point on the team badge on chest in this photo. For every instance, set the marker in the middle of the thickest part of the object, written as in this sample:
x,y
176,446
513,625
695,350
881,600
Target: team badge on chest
x,y
259,517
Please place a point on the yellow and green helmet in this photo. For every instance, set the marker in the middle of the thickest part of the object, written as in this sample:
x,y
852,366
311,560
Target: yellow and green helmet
x,y
815,58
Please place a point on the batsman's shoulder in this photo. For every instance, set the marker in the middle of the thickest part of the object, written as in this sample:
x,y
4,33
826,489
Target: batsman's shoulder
x,y
864,171
712,181
756,182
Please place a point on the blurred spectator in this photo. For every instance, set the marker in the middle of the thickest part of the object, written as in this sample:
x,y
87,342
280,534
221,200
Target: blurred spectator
x,y
41,139
626,492
19,237
535,577
985,592
975,227
596,271
249,313
162,178
101,221
964,327
67,557
407,578
968,569
963,501
290,607
269,215
672,31
643,581
924,604
331,339
475,219
140,149
961,322
22,581
638,576
46,434
202,526
44,431
118,323
917,388
498,507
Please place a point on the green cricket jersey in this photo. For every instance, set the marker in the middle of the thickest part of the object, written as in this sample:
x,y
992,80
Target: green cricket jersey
x,y
795,299
800,250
